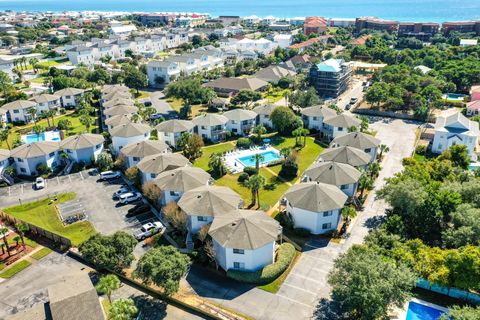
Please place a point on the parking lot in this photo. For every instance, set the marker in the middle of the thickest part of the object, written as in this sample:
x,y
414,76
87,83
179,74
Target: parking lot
x,y
94,198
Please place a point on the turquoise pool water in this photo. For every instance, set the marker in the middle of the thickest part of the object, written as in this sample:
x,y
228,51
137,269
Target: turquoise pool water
x,y
417,311
269,156
454,96
44,136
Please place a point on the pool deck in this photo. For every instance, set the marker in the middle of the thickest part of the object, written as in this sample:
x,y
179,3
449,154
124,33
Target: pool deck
x,y
44,136
401,314
235,166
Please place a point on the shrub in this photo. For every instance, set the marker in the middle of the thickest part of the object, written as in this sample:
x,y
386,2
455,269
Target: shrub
x,y
243,177
289,170
251,171
244,143
285,255
421,150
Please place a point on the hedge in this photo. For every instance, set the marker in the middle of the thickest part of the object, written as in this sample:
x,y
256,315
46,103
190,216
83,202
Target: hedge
x,y
285,255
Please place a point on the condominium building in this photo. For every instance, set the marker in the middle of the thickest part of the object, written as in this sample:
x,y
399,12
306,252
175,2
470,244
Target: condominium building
x,y
331,77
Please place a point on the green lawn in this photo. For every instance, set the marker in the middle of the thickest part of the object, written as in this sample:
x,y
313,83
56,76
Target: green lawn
x,y
177,104
275,94
41,253
38,80
202,162
16,268
75,128
268,198
43,214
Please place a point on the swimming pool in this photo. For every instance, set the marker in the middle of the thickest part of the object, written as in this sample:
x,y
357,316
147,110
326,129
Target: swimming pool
x,y
454,96
268,157
418,311
44,136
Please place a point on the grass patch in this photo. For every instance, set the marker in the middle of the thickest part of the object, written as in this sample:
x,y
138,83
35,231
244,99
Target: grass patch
x,y
274,95
275,285
202,162
177,104
29,242
106,305
41,253
43,214
16,268
38,80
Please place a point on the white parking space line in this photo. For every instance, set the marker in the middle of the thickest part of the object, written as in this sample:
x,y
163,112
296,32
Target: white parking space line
x,y
295,301
307,278
298,288
70,177
81,175
9,191
317,258
58,180
321,270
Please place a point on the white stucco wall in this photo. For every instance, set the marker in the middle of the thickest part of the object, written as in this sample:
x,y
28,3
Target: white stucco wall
x,y
252,259
120,142
313,221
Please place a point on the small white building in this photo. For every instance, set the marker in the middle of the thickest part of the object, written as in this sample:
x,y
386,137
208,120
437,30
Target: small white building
x,y
128,133
283,40
83,148
18,111
314,117
151,166
162,72
174,183
455,129
339,125
468,42
315,206
342,175
117,120
170,131
203,204
211,126
244,239
134,152
28,157
365,142
240,121
47,102
263,114
69,97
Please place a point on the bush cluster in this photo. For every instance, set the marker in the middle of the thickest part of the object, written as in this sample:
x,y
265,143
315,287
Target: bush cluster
x,y
285,255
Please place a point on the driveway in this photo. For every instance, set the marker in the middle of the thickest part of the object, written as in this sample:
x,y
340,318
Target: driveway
x,y
159,102
307,281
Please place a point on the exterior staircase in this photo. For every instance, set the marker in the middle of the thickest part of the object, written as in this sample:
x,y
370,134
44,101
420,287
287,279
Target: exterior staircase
x,y
4,176
189,242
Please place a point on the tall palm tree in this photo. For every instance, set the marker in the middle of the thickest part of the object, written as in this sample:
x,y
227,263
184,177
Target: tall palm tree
x,y
4,137
33,62
23,61
383,149
51,113
37,130
259,131
374,169
255,183
33,113
3,234
5,82
258,158
22,228
107,285
216,163
365,183
86,121
46,115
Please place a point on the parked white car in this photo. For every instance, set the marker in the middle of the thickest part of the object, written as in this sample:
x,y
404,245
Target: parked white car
x,y
39,183
108,175
130,197
122,190
148,230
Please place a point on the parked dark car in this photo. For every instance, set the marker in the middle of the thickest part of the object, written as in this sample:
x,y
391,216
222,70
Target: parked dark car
x,y
138,209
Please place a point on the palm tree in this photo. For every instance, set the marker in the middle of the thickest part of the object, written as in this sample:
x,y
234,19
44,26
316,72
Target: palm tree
x,y
86,121
3,248
259,130
64,157
365,182
51,113
3,233
258,158
33,62
5,82
4,137
374,169
383,149
107,285
216,163
22,228
255,183
135,117
19,74
16,239
23,60
33,113
45,114
348,213
37,130
285,152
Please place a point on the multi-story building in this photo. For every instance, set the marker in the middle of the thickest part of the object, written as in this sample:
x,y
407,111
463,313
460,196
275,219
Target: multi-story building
x,y
420,30
316,25
462,27
155,19
374,23
331,77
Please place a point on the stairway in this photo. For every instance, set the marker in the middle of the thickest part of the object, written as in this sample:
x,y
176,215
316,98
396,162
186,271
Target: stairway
x,y
189,242
6,177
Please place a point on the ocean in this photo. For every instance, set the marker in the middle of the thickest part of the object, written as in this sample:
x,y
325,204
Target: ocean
x,y
402,10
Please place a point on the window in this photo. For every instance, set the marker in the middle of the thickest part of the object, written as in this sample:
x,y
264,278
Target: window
x,y
344,187
23,170
146,134
315,118
327,213
16,111
239,265
98,146
136,159
204,128
368,150
19,160
326,226
51,154
201,218
238,251
173,193
340,129
153,175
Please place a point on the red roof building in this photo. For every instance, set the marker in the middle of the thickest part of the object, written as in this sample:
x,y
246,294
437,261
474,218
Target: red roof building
x,y
314,25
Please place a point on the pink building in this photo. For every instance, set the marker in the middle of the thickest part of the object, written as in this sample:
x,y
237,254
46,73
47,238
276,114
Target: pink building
x,y
473,108
475,93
